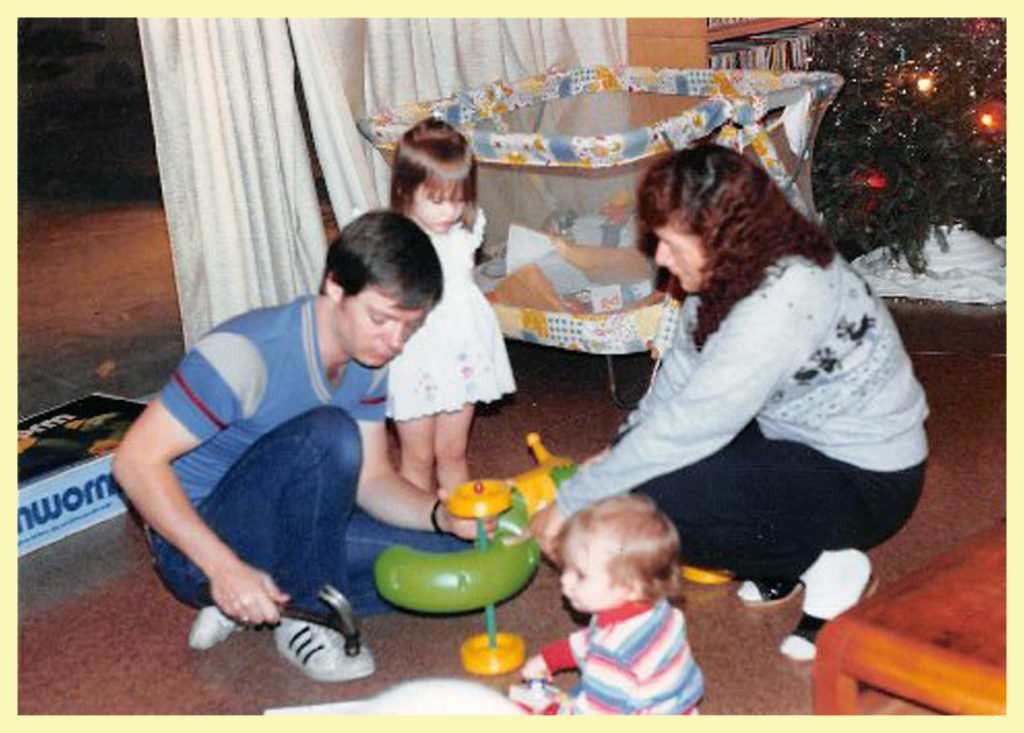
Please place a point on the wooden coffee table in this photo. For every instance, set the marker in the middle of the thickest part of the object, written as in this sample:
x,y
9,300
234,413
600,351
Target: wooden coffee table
x,y
936,638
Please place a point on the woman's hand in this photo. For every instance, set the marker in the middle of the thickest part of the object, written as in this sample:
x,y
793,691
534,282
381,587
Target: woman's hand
x,y
597,457
544,527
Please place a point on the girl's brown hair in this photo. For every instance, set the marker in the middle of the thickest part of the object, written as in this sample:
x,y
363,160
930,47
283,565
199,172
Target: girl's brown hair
x,y
743,219
434,154
645,540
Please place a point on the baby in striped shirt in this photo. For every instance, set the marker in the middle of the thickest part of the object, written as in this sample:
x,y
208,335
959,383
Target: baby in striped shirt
x,y
619,560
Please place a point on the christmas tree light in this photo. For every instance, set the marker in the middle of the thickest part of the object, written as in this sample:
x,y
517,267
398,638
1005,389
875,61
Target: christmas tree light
x,y
917,137
992,116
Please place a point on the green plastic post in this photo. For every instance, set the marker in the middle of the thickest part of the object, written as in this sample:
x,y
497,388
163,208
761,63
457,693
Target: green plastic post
x,y
492,628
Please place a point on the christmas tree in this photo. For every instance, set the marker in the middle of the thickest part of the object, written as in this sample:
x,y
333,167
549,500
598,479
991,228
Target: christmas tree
x,y
916,139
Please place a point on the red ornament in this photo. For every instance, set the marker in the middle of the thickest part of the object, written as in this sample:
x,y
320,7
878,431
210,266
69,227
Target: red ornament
x,y
871,178
876,180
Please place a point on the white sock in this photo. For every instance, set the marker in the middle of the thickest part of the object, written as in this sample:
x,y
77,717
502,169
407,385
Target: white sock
x,y
748,592
798,648
835,582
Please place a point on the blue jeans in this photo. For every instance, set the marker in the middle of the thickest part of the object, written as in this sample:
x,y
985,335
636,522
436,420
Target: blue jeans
x,y
287,506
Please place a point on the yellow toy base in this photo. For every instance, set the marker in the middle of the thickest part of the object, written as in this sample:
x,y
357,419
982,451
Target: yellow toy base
x,y
704,576
479,658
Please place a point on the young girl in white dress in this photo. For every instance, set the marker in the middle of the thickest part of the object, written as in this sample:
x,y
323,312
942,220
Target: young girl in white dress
x,y
457,358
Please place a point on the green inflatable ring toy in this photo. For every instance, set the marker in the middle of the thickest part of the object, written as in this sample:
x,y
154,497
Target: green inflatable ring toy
x,y
453,582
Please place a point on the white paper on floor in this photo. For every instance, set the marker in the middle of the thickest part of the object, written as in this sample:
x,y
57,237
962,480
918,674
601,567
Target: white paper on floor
x,y
429,696
971,270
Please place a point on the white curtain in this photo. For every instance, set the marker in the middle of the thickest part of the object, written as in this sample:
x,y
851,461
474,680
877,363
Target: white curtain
x,y
325,51
241,206
429,58
245,223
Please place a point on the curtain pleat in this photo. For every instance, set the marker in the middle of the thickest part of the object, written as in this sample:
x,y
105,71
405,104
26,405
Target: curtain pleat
x,y
244,219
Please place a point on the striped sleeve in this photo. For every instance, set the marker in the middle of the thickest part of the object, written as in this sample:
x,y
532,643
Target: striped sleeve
x,y
642,668
372,387
558,656
220,381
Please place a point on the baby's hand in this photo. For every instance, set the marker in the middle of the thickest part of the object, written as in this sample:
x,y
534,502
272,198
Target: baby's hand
x,y
536,668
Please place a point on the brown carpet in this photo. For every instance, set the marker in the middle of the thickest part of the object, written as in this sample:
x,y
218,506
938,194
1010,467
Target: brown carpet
x,y
97,633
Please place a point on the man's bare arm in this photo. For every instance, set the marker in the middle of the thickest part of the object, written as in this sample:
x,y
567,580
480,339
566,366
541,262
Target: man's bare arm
x,y
142,466
387,496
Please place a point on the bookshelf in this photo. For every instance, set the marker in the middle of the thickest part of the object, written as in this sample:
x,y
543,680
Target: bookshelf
x,y
729,29
776,44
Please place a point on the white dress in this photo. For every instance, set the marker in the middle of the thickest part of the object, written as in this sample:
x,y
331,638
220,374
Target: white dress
x,y
458,355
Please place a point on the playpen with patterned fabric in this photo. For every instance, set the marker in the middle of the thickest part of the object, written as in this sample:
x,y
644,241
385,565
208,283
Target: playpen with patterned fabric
x,y
560,155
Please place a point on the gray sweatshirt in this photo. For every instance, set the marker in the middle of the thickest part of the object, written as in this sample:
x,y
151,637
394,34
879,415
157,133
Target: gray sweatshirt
x,y
811,354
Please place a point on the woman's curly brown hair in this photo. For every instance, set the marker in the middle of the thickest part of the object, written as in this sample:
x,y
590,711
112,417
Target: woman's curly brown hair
x,y
743,219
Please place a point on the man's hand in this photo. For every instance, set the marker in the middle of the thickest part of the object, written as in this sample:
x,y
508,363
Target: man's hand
x,y
247,595
464,529
142,466
545,525
390,498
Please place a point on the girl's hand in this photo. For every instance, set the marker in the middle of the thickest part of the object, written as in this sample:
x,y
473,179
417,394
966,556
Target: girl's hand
x,y
536,668
544,527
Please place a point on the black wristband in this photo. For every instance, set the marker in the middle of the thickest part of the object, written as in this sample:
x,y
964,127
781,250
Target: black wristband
x,y
433,517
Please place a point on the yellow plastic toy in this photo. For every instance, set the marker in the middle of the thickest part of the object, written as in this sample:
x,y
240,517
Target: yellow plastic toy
x,y
494,653
480,499
492,570
490,653
539,484
705,576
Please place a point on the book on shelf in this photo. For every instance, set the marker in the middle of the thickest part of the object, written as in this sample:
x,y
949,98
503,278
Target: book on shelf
x,y
782,49
773,54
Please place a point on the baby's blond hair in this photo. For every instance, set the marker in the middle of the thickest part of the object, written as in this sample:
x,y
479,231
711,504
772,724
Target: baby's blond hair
x,y
645,540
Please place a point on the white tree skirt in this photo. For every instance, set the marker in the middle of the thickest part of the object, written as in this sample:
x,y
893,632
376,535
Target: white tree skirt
x,y
972,270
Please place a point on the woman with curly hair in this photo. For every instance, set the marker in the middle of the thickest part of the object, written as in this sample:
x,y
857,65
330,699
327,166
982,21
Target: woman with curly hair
x,y
784,430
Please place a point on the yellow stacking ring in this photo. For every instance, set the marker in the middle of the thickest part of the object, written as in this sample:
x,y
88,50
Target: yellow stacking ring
x,y
483,498
705,576
479,657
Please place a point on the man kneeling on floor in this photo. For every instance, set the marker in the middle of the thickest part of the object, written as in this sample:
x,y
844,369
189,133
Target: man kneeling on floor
x,y
262,470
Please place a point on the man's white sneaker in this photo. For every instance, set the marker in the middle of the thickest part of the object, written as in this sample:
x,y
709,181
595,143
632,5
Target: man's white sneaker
x,y
210,628
320,652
